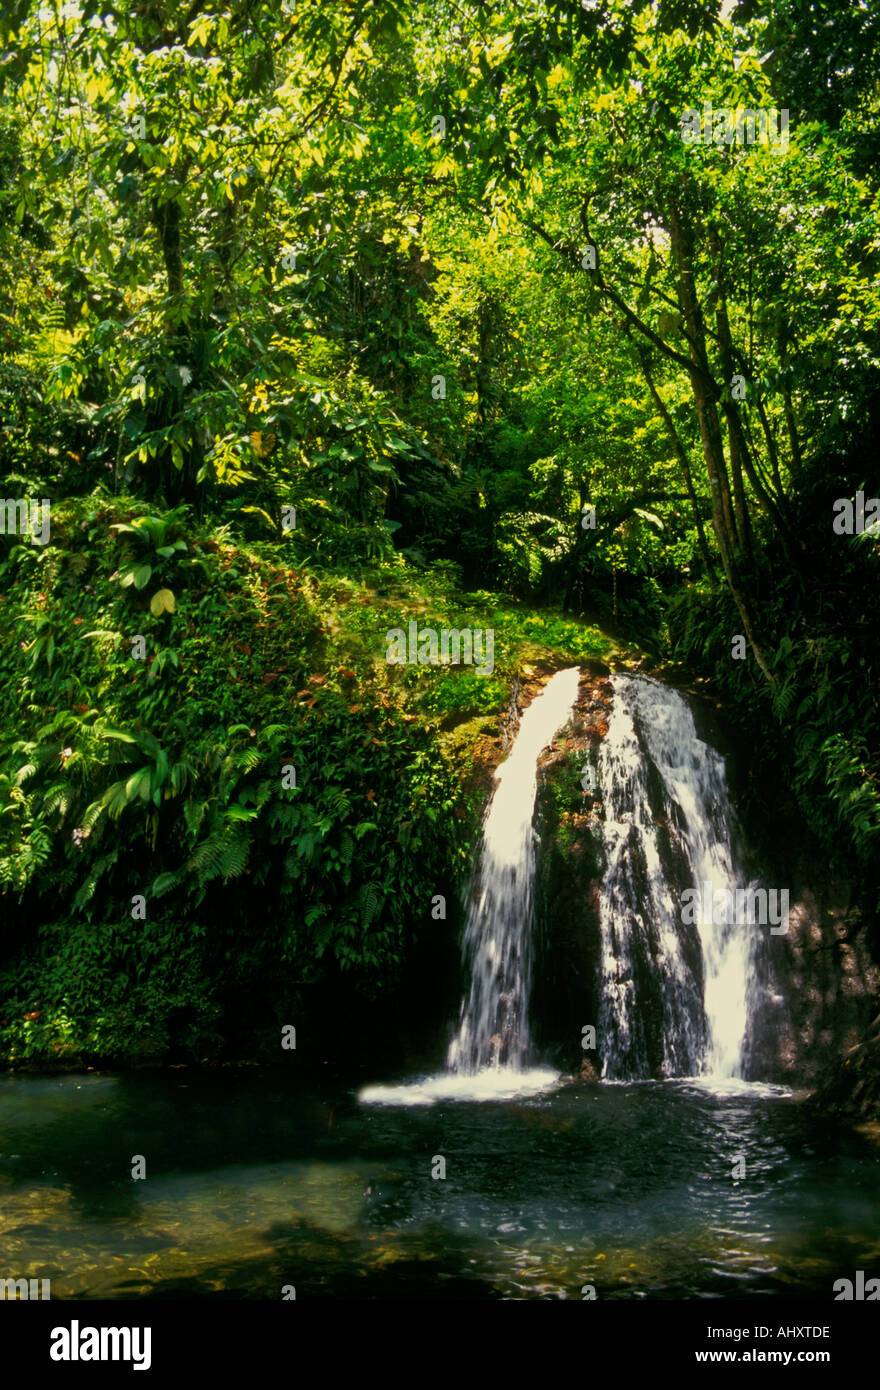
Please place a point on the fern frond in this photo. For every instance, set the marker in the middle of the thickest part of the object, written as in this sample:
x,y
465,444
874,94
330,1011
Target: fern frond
x,y
370,902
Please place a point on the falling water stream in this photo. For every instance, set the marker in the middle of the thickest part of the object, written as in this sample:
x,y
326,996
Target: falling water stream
x,y
668,828
493,1027
489,1054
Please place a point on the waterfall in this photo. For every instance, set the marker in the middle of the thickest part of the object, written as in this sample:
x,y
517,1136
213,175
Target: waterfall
x,y
674,996
493,1029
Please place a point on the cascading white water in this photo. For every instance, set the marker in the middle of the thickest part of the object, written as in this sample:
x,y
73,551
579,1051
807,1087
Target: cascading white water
x,y
493,1025
674,999
487,1057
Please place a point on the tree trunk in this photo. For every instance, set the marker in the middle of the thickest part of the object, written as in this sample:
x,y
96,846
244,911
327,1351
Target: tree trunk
x,y
684,464
710,427
166,219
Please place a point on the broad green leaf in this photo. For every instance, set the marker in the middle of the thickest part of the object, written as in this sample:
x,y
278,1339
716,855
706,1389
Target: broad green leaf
x,y
163,601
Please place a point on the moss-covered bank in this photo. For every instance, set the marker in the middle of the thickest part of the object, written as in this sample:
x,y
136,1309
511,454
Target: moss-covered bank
x,y
223,810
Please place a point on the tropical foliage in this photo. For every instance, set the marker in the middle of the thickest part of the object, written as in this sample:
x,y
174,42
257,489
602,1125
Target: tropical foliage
x,y
318,319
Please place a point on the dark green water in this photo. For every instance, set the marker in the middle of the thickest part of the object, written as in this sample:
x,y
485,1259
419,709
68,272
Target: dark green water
x,y
253,1184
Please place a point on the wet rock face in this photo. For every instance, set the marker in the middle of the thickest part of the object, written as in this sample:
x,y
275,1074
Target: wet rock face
x,y
817,986
570,863
823,994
